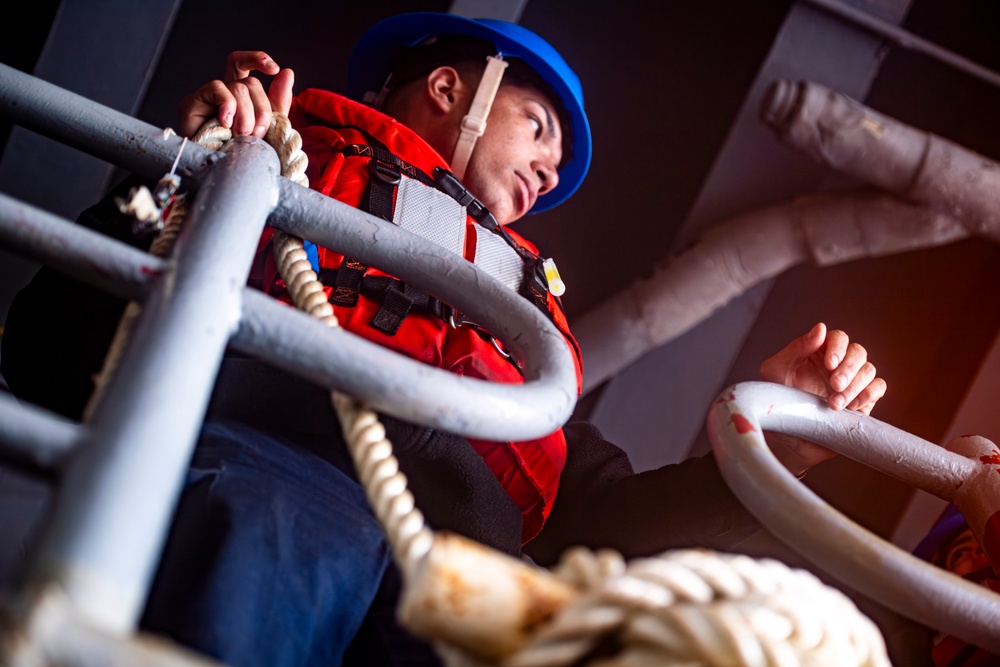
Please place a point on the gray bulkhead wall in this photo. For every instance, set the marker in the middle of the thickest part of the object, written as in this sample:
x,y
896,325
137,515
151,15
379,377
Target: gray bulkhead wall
x,y
752,170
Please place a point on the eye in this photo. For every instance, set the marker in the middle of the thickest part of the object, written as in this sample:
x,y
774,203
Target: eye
x,y
536,124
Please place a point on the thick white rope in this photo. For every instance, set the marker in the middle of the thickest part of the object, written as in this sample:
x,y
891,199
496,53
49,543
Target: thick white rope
x,y
378,470
698,607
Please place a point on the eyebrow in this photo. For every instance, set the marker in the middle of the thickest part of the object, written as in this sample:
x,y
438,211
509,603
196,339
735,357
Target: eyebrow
x,y
549,122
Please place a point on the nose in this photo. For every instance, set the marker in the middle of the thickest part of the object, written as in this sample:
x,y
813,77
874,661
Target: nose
x,y
548,176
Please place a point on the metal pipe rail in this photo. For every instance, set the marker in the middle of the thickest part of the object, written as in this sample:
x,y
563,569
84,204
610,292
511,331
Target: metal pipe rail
x,y
120,471
332,357
462,405
853,555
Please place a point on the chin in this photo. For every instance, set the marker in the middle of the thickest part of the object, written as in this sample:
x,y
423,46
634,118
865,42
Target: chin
x,y
504,213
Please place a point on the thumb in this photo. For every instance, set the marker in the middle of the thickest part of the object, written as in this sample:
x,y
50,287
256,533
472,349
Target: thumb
x,y
280,91
782,366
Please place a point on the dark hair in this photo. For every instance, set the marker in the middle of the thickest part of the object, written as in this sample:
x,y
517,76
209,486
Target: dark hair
x,y
459,50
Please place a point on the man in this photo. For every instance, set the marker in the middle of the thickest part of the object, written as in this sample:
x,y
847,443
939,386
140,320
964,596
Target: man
x,y
274,558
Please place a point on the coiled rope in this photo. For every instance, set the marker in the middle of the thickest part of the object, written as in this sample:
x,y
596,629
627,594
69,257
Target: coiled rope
x,y
698,607
686,607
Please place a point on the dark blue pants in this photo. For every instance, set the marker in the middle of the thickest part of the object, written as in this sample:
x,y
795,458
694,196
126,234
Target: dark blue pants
x,y
274,557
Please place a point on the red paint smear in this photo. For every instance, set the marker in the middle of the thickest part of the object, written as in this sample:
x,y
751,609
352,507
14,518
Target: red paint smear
x,y
742,424
150,271
726,399
993,458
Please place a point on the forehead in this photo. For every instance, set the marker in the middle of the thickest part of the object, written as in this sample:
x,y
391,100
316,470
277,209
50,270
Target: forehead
x,y
527,91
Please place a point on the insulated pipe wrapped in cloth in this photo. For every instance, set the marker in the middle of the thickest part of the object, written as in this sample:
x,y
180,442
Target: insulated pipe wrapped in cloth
x,y
732,257
909,162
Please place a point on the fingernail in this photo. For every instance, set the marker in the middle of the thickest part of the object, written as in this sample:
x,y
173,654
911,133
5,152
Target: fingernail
x,y
227,119
836,401
835,359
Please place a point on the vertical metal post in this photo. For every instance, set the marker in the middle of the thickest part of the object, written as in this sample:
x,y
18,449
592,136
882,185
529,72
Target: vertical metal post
x,y
114,504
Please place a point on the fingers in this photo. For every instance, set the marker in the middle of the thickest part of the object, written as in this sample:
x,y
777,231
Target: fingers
x,y
213,100
784,365
795,454
828,364
809,343
253,108
837,345
239,64
869,396
853,382
238,101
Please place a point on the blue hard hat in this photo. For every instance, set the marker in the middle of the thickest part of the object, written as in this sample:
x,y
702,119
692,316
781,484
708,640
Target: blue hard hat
x,y
372,59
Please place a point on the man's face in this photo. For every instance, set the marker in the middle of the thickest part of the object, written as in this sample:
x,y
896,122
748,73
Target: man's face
x,y
517,157
964,555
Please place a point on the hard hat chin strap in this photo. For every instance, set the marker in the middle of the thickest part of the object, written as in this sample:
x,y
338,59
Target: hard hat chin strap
x,y
474,122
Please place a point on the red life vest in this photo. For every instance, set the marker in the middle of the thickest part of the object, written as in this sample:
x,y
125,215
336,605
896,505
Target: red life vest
x,y
332,128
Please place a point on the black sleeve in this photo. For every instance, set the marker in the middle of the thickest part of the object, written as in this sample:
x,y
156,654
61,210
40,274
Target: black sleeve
x,y
58,329
451,484
453,487
602,502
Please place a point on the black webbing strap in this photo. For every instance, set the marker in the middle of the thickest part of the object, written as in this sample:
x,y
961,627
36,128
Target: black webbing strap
x,y
397,299
396,305
385,156
347,283
533,287
379,199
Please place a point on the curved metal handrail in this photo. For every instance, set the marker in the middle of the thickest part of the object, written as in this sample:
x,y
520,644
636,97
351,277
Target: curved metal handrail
x,y
855,556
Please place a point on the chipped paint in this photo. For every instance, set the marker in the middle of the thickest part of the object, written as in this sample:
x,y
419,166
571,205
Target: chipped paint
x,y
742,424
991,459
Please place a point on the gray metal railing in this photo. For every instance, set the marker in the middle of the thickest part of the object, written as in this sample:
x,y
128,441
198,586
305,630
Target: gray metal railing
x,y
855,556
121,470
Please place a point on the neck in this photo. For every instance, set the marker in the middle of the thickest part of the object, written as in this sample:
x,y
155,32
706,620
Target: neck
x,y
435,122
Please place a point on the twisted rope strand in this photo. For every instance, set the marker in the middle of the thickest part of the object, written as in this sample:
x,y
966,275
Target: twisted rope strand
x,y
697,607
377,467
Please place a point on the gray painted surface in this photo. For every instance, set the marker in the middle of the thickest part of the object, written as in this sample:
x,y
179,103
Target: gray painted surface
x,y
106,51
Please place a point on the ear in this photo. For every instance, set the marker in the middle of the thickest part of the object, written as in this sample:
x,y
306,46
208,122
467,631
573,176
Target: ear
x,y
444,88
